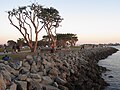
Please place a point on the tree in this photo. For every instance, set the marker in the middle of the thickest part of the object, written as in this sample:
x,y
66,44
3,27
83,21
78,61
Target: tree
x,y
51,19
63,39
26,21
11,43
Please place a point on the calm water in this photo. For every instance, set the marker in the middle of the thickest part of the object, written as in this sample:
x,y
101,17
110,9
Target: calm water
x,y
112,63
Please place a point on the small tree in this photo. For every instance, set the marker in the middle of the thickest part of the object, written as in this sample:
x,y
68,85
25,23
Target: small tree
x,y
26,21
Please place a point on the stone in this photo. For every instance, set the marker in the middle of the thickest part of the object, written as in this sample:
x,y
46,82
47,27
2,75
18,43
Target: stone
x,y
6,76
26,65
23,70
29,57
6,62
46,80
60,80
14,72
35,76
53,72
55,84
62,87
48,87
22,77
13,87
34,85
2,83
34,68
21,85
16,65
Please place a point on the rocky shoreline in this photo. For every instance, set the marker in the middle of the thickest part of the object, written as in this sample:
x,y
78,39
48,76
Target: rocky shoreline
x,y
64,70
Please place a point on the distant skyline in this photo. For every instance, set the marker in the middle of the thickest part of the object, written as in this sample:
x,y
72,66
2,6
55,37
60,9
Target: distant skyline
x,y
94,21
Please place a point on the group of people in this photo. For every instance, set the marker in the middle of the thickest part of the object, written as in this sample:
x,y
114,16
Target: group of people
x,y
15,48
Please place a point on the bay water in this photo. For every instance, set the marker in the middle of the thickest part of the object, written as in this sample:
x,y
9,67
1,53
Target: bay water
x,y
113,64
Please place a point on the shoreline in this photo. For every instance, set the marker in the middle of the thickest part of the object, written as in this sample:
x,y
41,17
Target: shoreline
x,y
71,70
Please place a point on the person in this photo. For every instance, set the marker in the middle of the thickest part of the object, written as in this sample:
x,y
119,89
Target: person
x,y
6,58
5,49
14,48
52,48
18,48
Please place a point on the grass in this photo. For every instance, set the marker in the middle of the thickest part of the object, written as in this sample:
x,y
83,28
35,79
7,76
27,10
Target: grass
x,y
18,56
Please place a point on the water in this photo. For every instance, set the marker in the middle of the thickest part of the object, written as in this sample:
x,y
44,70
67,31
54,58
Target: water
x,y
112,63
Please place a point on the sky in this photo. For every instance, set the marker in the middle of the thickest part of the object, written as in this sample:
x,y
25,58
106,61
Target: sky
x,y
94,21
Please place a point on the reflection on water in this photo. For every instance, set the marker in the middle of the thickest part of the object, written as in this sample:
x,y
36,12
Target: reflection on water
x,y
112,63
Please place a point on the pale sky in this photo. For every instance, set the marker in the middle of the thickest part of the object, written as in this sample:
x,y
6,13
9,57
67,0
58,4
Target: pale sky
x,y
94,21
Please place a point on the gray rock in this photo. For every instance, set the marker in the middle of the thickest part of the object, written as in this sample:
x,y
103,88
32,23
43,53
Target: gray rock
x,y
22,77
23,70
13,87
2,83
34,68
53,72
26,65
60,80
14,72
16,65
55,84
29,57
62,87
35,76
46,80
21,84
6,76
48,87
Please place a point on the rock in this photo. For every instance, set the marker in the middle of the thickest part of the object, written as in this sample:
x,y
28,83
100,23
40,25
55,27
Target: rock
x,y
60,81
7,78
24,70
21,85
6,62
2,83
66,63
16,65
34,85
33,68
22,77
46,80
26,65
48,87
14,72
53,72
55,84
29,57
62,87
13,87
35,76
72,71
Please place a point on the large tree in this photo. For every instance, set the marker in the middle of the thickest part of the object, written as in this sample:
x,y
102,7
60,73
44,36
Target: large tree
x,y
51,19
27,23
